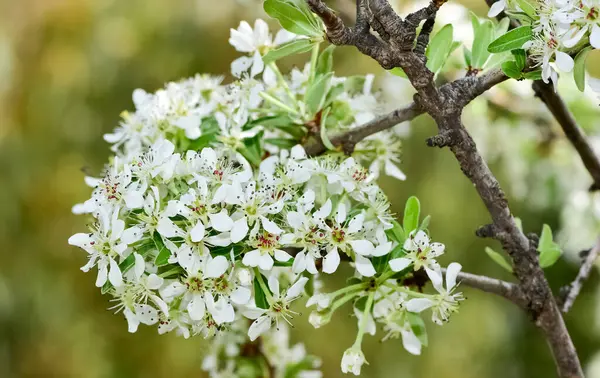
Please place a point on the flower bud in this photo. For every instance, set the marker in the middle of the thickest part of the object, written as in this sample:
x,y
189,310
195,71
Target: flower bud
x,y
352,360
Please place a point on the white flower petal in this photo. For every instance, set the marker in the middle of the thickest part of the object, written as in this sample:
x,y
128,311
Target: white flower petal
x,y
216,267
362,247
451,274
197,232
221,221
282,256
564,61
258,327
239,230
331,261
114,274
364,266
418,304
400,263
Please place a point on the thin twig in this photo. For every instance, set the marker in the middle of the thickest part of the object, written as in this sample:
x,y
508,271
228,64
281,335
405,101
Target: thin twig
x,y
507,290
574,133
584,272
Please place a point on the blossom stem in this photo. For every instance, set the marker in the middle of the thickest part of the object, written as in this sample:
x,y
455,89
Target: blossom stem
x,y
355,287
385,276
364,320
338,303
278,103
411,292
283,82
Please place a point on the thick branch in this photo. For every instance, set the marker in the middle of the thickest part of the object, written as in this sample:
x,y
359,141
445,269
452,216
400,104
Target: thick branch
x,y
445,107
576,136
584,272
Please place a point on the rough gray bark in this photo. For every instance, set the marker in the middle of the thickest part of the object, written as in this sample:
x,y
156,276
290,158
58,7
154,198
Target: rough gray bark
x,y
399,46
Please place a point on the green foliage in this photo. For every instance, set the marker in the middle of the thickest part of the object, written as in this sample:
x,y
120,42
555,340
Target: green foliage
x,y
325,61
512,40
498,259
579,69
549,250
162,257
511,70
439,48
484,34
260,297
296,46
411,214
294,16
317,92
417,325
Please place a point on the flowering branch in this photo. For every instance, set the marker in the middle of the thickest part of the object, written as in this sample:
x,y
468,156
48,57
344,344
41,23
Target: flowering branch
x,y
572,290
445,107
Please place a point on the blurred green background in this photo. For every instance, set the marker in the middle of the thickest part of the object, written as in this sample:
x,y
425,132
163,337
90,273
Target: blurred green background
x,y
67,69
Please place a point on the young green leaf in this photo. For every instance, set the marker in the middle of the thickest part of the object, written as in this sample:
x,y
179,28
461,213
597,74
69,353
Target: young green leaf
x,y
527,7
162,258
502,27
411,214
545,238
397,71
425,223
498,259
317,92
296,46
533,75
294,16
479,53
417,325
260,298
520,58
549,251
579,69
396,233
512,40
439,48
467,56
510,69
325,62
323,131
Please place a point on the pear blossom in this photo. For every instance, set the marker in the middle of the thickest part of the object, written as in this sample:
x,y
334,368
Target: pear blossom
x,y
352,360
446,302
421,253
279,308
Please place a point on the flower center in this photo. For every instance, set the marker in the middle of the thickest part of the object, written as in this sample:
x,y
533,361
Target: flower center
x,y
195,284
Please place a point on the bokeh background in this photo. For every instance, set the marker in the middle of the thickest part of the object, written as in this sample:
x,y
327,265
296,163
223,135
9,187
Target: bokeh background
x,y
67,69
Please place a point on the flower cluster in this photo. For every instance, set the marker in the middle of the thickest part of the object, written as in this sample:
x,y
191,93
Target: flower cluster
x,y
211,213
560,30
232,356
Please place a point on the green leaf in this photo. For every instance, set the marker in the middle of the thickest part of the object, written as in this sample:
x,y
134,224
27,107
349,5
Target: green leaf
x,y
579,69
417,325
361,303
502,27
325,62
282,142
396,233
260,298
475,22
545,238
550,256
485,35
323,131
467,56
510,69
439,48
498,259
296,46
527,7
411,215
294,16
317,92
520,58
533,75
425,223
512,40
162,258
397,71
549,251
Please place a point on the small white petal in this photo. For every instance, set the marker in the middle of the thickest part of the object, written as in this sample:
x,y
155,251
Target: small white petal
x,y
216,267
418,304
400,263
364,266
451,274
221,221
258,327
197,232
282,256
362,247
331,261
114,275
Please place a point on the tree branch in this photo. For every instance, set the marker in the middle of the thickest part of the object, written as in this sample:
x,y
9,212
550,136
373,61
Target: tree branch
x,y
445,106
576,136
572,290
507,290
